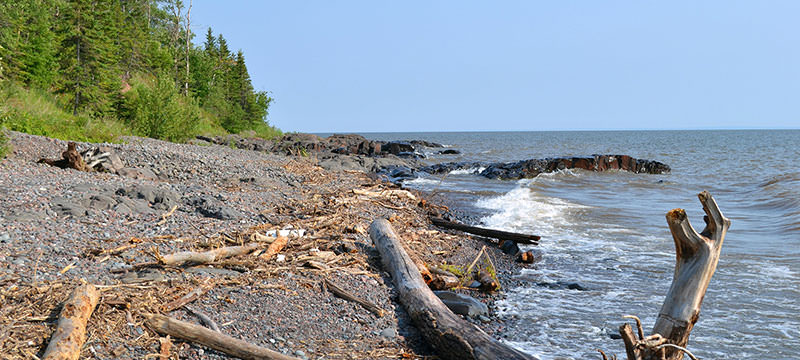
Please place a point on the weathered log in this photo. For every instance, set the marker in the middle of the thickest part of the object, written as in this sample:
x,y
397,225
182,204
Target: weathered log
x,y
70,333
350,297
443,282
210,338
697,255
205,257
451,336
497,234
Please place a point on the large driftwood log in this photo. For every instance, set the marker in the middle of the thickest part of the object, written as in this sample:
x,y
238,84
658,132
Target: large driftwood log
x,y
497,234
697,255
70,333
215,340
451,336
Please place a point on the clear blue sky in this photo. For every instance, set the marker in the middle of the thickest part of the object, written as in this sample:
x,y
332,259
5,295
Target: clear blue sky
x,y
358,66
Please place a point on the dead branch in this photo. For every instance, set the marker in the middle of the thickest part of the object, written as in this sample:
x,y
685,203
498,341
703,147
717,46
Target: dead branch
x,y
497,234
193,295
212,339
192,257
350,297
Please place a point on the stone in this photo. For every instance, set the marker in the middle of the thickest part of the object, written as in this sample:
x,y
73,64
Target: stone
x,y
450,152
463,304
138,173
113,163
397,147
66,207
209,206
509,247
389,333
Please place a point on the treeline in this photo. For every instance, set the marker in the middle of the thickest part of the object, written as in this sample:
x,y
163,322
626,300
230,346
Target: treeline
x,y
122,64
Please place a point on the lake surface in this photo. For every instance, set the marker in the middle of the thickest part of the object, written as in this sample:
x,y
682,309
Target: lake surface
x,y
607,231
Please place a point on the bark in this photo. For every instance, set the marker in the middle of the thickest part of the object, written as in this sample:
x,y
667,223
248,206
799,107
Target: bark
x,y
697,255
192,257
497,234
451,336
70,333
212,339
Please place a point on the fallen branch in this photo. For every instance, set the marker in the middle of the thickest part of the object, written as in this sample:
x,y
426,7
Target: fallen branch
x,y
451,336
212,339
205,319
193,295
166,215
70,333
386,193
350,297
497,234
192,257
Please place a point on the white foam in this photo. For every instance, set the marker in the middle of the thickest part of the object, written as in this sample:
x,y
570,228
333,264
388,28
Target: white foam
x,y
523,210
421,182
474,170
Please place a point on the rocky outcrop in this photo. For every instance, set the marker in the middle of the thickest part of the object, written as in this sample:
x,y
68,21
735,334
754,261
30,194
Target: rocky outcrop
x,y
533,167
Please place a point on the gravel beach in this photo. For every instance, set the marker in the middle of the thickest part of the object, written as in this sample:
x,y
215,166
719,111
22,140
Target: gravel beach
x,y
62,227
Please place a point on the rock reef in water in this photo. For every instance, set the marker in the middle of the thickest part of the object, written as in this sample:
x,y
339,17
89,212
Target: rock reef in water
x,y
531,168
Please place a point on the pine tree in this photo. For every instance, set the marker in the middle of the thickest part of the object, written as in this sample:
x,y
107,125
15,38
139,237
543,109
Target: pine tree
x,y
39,64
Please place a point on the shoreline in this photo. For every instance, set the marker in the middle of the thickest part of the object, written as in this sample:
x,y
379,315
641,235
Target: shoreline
x,y
222,197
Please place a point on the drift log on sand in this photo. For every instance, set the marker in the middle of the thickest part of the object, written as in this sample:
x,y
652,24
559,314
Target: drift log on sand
x,y
205,257
696,261
212,339
70,333
450,335
497,234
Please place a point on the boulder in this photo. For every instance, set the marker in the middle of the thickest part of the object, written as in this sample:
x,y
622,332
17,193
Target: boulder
x,y
463,304
397,147
450,152
138,173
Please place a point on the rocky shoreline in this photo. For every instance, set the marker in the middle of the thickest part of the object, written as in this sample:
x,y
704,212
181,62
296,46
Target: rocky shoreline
x,y
62,227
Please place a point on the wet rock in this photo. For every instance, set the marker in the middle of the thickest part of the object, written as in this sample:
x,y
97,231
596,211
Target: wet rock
x,y
424,143
450,152
463,304
209,206
509,247
397,147
563,285
451,166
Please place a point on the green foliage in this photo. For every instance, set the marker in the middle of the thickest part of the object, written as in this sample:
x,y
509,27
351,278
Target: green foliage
x,y
156,110
83,62
4,146
36,112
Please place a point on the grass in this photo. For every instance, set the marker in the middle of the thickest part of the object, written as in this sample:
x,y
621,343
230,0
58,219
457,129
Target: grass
x,y
37,112
4,146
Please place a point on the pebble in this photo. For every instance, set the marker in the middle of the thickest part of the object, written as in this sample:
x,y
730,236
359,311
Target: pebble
x,y
389,333
300,354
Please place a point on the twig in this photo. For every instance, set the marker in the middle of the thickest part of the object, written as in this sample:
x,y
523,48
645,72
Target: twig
x,y
638,324
193,295
166,215
350,297
681,348
204,318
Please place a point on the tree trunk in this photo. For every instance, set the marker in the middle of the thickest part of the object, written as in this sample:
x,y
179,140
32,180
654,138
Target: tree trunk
x,y
451,336
497,234
70,333
697,255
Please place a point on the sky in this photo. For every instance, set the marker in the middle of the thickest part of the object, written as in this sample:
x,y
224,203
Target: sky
x,y
381,66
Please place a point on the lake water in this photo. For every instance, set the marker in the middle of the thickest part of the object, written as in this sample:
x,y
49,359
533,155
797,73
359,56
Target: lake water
x,y
607,231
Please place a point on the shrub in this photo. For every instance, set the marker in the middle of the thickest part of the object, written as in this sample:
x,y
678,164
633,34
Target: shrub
x,y
157,110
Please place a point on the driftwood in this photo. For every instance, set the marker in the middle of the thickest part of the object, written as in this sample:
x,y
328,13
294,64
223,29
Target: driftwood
x,y
69,159
205,257
193,295
274,248
70,333
451,336
697,255
350,297
497,234
212,339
